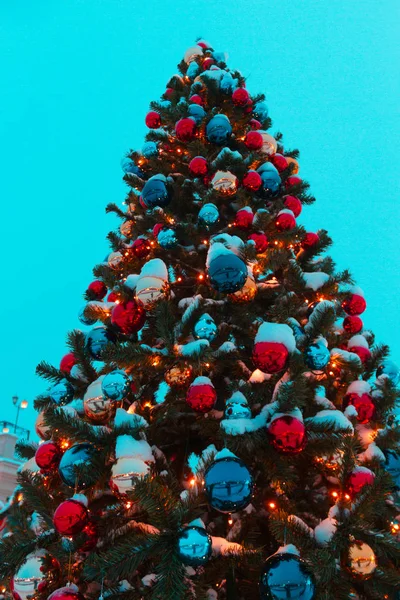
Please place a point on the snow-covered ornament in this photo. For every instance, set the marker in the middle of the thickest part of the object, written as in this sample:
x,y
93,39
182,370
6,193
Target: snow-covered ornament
x,y
126,471
98,407
252,181
260,240
355,303
270,181
389,369
358,395
140,248
97,339
237,407
152,283
225,183
167,239
260,111
240,97
156,192
359,345
68,592
287,434
196,112
192,53
194,546
115,385
185,129
228,483
178,376
208,215
317,356
149,149
153,120
115,260
269,145
73,468
205,328
97,289
198,166
62,393
285,575
285,220
219,129
226,271
70,517
272,346
67,362
84,319
34,575
293,204
253,140
244,218
358,479
361,560
310,240
201,395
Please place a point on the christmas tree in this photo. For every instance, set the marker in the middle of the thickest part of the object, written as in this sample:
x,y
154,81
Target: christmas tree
x,y
225,426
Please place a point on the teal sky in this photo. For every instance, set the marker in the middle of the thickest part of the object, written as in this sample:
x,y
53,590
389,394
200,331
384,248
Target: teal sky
x,y
76,80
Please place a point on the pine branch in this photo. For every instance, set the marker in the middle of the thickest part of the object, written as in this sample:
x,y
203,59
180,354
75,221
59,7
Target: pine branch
x,y
77,343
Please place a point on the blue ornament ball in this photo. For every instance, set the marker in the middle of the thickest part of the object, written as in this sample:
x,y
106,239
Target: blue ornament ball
x,y
286,576
219,130
391,370
392,466
208,215
167,239
149,149
97,339
317,356
194,546
62,393
115,385
229,484
205,328
193,70
73,466
197,113
271,181
156,192
260,111
227,273
85,320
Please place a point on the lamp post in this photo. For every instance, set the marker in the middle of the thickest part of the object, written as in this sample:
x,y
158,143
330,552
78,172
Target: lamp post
x,y
18,404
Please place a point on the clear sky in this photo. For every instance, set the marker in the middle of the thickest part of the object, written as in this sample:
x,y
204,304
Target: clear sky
x,y
76,80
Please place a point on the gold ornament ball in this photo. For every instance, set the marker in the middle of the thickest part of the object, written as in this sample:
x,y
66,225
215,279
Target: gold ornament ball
x,y
178,376
247,293
270,144
126,228
151,289
361,560
225,183
293,162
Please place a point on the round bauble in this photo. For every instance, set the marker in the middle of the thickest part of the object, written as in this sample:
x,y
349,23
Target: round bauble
x,y
285,575
150,289
287,434
253,140
198,166
237,410
354,305
207,63
227,273
178,376
167,239
85,320
270,182
269,145
97,339
196,112
225,183
42,430
140,248
254,124
97,407
219,130
37,570
292,162
48,456
293,204
279,161
201,395
244,218
70,517
69,592
157,228
185,129
361,560
62,393
293,181
125,473
156,192
240,97
115,385
153,120
73,468
358,479
208,215
260,110
285,221
229,484
97,290
362,352
67,362
205,328
247,293
260,240
129,167
317,356
149,149
310,240
352,324
196,99
194,546
252,181
192,53
129,317
364,405
270,357
126,228
115,260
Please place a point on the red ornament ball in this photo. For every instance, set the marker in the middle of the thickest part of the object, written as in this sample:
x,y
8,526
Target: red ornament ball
x,y
249,107
285,221
279,161
260,240
157,228
254,140
363,404
287,434
67,362
358,479
352,324
270,357
196,99
70,517
66,593
354,304
129,316
240,97
244,218
363,353
310,239
48,456
153,120
254,124
185,129
207,63
168,93
97,290
292,180
293,204
140,248
112,297
252,181
198,166
201,395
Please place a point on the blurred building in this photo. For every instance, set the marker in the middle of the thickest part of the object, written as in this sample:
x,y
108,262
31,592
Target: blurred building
x,y
9,464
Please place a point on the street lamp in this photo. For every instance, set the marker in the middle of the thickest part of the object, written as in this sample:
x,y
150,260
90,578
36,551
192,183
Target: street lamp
x,y
18,404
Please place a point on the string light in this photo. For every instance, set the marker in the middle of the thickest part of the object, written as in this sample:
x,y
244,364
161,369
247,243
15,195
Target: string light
x,y
192,482
335,494
230,521
128,504
201,277
395,527
65,444
147,405
272,505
